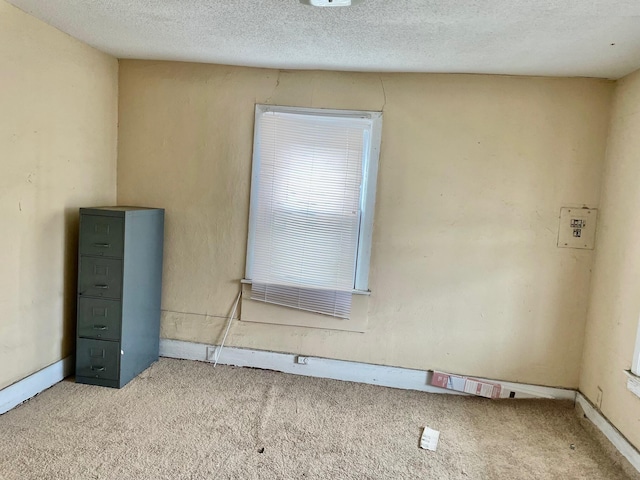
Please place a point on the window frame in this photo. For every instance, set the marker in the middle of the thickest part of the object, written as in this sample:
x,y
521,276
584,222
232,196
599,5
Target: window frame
x,y
635,365
367,194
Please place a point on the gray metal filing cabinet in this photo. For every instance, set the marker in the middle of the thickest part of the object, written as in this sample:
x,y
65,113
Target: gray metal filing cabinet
x,y
119,288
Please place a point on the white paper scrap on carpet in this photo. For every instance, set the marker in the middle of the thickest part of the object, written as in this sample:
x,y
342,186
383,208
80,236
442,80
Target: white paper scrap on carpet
x,y
429,439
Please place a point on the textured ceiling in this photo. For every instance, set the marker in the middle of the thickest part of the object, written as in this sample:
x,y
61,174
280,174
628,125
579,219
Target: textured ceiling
x,y
594,38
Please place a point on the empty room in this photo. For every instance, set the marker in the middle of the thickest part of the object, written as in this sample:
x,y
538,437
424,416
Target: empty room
x,y
319,239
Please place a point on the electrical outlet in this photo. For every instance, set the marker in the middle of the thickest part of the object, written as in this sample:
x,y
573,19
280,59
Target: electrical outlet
x,y
599,399
211,354
302,360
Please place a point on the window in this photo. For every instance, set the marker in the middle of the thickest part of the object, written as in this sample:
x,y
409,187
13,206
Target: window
x,y
635,366
633,380
312,202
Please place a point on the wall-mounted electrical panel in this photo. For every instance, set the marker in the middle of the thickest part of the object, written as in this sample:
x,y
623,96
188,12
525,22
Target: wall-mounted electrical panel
x,y
577,227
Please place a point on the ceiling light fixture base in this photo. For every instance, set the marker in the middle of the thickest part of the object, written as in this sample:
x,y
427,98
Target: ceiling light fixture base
x,y
330,3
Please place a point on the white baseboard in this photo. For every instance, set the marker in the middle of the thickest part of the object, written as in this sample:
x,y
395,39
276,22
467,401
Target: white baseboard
x,y
609,431
394,377
28,387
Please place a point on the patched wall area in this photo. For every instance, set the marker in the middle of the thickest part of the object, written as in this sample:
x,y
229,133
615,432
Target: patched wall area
x,y
614,307
58,137
465,275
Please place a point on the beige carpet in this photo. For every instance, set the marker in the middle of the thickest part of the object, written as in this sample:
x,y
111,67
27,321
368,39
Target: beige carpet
x,y
187,420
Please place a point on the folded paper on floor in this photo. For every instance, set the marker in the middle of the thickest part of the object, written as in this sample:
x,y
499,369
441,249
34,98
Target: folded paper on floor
x,y
429,439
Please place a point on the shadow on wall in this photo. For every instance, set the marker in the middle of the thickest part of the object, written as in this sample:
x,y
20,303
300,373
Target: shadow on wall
x,y
70,280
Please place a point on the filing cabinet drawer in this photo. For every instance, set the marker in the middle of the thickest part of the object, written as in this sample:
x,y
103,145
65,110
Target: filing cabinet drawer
x,y
99,318
101,236
100,277
97,359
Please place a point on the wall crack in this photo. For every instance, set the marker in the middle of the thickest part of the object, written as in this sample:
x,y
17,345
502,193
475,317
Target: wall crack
x,y
384,93
274,88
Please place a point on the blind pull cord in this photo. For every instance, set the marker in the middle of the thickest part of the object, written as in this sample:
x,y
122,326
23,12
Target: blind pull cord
x,y
233,312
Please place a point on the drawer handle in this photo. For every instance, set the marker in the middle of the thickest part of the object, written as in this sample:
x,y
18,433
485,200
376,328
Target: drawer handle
x,y
100,327
97,369
104,287
102,245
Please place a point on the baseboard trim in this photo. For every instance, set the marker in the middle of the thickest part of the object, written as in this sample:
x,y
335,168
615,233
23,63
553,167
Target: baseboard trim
x,y
394,377
28,387
612,433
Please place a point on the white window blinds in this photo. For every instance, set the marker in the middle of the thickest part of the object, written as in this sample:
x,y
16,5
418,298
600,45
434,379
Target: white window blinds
x,y
306,207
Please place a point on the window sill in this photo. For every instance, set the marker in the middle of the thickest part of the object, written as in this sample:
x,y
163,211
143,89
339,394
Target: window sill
x,y
246,281
633,383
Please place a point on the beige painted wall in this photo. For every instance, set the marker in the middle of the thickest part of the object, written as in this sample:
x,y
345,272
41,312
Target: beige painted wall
x,y
466,276
58,138
614,307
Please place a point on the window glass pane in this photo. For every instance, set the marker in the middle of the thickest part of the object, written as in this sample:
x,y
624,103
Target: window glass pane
x,y
308,207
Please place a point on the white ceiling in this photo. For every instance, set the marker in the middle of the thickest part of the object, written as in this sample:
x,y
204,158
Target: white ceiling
x,y
592,38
